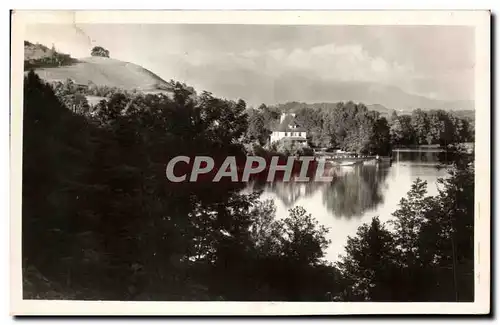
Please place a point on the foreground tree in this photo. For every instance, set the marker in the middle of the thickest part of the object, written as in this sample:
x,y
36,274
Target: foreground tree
x,y
94,190
429,250
370,272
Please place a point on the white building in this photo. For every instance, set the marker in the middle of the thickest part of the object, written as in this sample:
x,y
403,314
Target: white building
x,y
289,130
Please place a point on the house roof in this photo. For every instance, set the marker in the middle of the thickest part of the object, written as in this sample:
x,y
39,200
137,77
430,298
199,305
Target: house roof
x,y
288,129
285,125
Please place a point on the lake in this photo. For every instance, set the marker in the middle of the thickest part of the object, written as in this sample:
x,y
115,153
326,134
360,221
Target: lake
x,y
357,193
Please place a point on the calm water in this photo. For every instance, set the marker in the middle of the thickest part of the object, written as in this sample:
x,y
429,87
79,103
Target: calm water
x,y
357,194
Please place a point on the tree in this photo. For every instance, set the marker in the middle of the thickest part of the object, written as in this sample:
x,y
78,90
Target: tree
x,y
303,238
270,115
99,51
428,250
408,219
420,125
369,264
452,231
256,127
288,147
288,261
94,188
401,130
56,147
394,116
311,119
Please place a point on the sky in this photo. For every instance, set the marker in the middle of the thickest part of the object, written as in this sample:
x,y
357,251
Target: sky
x,y
277,63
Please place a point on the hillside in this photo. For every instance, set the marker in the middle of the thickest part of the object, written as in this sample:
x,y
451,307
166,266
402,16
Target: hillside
x,y
468,114
384,111
102,71
106,71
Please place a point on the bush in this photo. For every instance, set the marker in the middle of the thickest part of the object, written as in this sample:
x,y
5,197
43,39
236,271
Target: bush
x,y
100,51
305,151
291,148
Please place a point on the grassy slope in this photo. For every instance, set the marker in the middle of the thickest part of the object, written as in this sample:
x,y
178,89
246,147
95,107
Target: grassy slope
x,y
106,71
99,70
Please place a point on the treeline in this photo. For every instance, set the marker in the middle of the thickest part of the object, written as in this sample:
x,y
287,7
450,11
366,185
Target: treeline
x,y
100,220
353,127
68,89
349,126
107,91
75,95
431,127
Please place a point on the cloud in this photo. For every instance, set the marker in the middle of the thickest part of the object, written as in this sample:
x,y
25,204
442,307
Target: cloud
x,y
329,62
345,62
262,62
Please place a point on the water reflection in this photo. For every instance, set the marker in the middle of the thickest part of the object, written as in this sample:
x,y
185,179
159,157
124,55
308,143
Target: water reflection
x,y
417,157
288,192
422,163
357,193
355,190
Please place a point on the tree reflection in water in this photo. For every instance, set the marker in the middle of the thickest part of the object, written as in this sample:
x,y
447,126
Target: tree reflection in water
x,y
356,190
353,191
288,192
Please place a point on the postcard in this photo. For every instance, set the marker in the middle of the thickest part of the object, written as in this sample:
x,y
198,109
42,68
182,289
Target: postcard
x,y
250,162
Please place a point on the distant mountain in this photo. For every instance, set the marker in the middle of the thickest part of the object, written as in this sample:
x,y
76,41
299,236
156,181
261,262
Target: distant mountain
x,y
399,100
303,88
101,71
384,111
293,107
469,114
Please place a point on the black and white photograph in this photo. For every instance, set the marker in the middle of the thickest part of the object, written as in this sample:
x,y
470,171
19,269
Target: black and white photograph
x,y
270,159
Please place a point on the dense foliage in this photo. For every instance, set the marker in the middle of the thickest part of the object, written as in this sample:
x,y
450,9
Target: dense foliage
x,y
100,220
353,127
425,253
99,51
431,127
348,126
71,96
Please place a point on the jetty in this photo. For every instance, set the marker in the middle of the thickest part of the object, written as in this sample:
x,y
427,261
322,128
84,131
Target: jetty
x,y
349,159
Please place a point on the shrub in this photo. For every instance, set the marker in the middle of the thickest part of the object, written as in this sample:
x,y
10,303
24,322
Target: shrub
x,y
99,51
